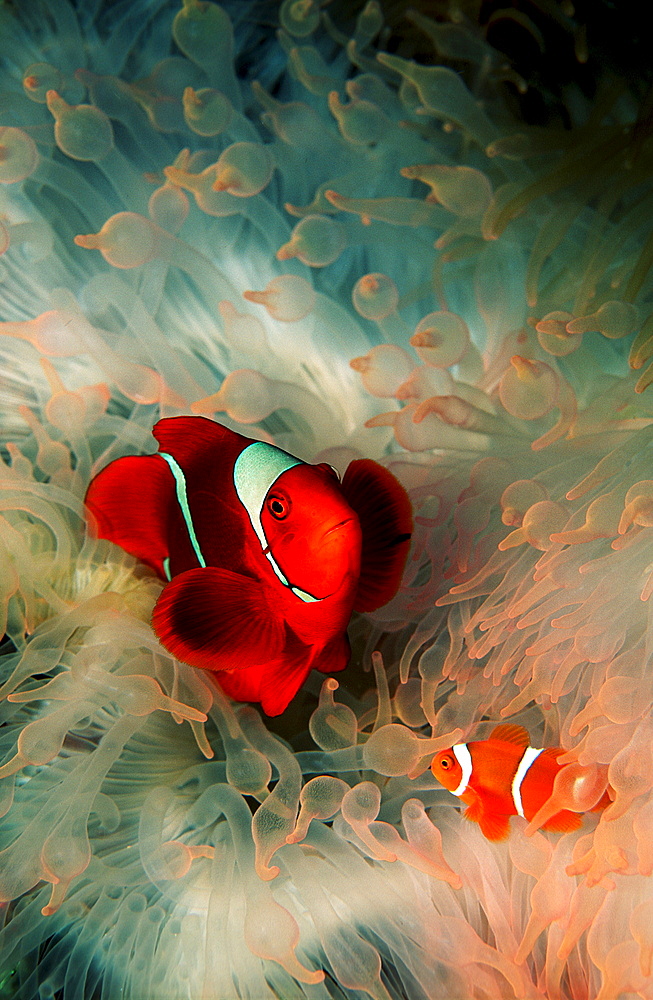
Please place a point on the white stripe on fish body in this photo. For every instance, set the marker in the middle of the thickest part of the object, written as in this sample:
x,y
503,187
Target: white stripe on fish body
x,y
529,757
182,500
464,758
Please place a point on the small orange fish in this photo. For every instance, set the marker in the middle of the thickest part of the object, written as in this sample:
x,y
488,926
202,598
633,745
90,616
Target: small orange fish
x,y
502,777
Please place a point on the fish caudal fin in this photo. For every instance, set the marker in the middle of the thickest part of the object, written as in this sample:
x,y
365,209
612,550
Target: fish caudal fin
x,y
130,502
218,620
563,822
386,521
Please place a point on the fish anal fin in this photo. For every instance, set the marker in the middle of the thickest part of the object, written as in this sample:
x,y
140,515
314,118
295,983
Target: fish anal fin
x,y
508,732
563,822
274,685
334,657
386,521
218,620
130,501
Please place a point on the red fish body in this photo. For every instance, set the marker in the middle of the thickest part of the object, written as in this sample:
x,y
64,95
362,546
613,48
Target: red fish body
x,y
503,777
266,555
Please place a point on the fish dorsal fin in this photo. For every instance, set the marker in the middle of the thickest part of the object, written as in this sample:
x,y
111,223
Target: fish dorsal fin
x,y
508,732
552,753
386,521
193,439
131,500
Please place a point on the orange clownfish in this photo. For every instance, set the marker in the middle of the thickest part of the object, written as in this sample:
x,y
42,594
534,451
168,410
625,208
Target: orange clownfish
x,y
266,556
502,777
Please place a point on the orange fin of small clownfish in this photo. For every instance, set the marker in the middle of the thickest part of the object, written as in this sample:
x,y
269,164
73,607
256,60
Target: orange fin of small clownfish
x,y
218,620
386,521
130,501
510,733
494,826
563,822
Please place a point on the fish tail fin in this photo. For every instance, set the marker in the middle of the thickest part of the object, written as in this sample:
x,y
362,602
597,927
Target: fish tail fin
x,y
606,800
130,502
563,822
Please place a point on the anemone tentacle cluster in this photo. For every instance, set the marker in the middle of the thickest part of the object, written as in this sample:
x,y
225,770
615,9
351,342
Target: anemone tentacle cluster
x,y
325,243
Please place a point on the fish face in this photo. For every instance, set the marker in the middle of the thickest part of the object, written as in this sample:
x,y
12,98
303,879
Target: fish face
x,y
446,769
312,533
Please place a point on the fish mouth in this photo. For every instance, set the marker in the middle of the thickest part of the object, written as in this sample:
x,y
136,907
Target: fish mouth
x,y
336,527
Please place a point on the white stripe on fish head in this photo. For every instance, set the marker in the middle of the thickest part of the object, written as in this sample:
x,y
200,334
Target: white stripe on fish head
x,y
464,758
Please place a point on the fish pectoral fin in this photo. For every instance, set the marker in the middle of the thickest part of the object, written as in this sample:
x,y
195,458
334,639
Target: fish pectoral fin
x,y
494,825
218,620
386,521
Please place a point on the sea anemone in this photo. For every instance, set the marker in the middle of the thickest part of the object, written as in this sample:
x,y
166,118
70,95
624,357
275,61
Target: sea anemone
x,y
351,243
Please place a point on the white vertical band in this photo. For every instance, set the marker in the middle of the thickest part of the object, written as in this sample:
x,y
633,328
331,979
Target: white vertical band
x,y
530,754
182,500
464,758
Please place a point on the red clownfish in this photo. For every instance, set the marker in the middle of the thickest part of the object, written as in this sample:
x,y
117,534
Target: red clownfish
x,y
266,556
502,777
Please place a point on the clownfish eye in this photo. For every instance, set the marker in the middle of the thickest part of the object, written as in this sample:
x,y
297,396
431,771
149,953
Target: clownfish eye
x,y
278,507
446,762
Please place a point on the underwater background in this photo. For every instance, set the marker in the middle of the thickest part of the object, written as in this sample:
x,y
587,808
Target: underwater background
x,y
421,235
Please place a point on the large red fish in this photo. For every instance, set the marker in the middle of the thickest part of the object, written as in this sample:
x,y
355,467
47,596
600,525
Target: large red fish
x,y
266,555
502,777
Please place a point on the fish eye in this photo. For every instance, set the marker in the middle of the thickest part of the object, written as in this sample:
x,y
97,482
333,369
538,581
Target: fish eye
x,y
446,762
278,506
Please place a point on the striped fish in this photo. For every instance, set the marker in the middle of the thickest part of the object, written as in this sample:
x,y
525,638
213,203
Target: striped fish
x,y
504,776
